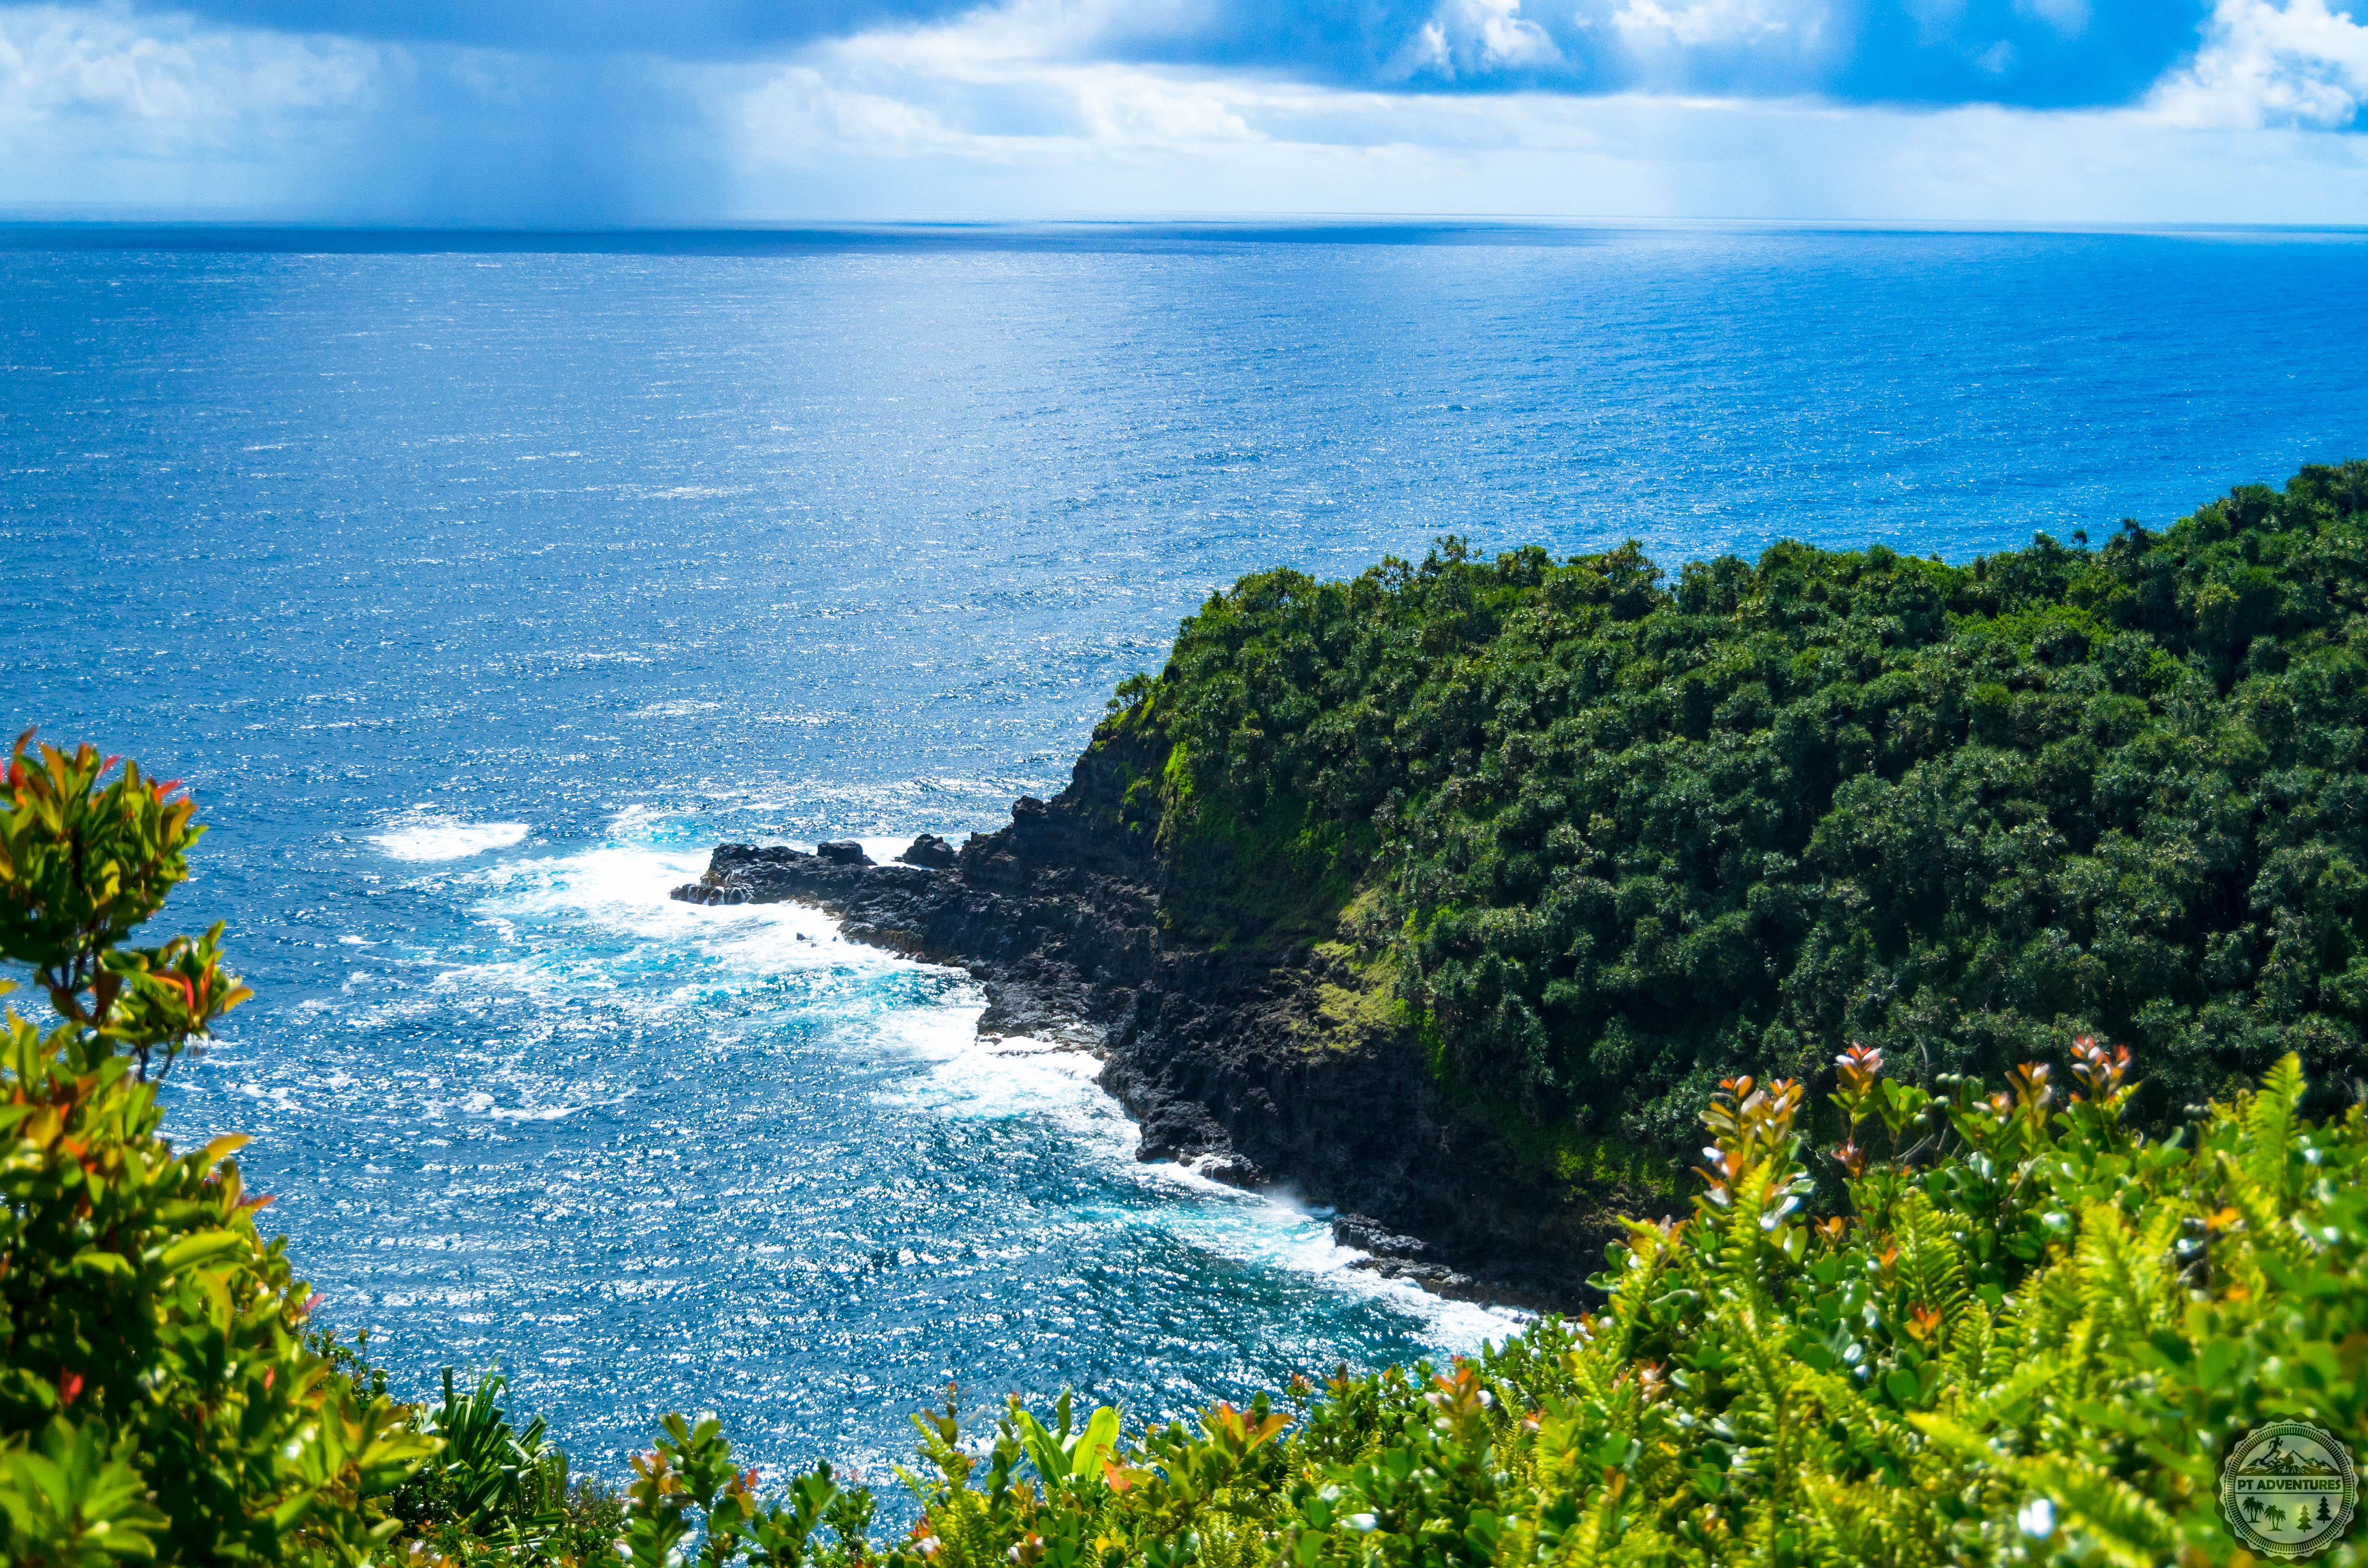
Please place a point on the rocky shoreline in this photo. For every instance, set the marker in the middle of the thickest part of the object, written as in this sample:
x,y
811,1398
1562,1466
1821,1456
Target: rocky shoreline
x,y
1221,1057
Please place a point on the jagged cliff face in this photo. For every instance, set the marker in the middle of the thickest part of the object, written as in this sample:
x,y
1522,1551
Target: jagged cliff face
x,y
1274,1060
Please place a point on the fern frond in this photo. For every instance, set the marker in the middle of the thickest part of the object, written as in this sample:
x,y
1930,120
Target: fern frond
x,y
1931,1263
2127,1526
1869,1427
1854,1524
1973,1335
2046,1310
2131,1530
1587,1543
2264,1212
2001,1403
2267,1118
1837,1520
2122,1284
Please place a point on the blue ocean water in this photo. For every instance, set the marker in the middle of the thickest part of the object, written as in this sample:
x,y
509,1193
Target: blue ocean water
x,y
478,585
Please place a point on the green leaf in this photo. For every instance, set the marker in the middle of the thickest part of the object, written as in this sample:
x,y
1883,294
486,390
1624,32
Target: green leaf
x,y
97,1260
202,1248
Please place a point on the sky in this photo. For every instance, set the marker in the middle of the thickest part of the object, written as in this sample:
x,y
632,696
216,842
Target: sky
x,y
609,113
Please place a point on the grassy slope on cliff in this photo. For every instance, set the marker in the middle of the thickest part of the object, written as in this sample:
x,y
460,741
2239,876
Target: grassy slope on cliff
x,y
1619,837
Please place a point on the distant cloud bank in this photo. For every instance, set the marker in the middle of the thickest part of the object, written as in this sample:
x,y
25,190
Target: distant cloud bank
x,y
607,112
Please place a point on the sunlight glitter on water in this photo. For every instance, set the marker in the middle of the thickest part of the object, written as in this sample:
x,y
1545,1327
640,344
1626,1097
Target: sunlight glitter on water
x,y
587,1129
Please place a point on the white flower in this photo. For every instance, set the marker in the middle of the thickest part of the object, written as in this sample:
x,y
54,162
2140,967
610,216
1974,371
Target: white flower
x,y
2037,1518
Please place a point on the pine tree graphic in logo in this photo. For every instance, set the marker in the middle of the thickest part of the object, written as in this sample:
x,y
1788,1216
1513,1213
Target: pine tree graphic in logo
x,y
2289,1489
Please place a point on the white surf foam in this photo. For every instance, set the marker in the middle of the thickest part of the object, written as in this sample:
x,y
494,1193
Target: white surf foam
x,y
1273,1229
979,1076
885,850
542,907
985,1076
600,923
626,889
424,833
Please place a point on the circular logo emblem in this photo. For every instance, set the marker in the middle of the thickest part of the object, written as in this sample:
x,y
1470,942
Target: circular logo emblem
x,y
2289,1489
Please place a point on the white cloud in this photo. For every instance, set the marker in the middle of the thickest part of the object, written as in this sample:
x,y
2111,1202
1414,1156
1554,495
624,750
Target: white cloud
x,y
990,116
83,84
1469,38
2268,64
1649,24
1208,143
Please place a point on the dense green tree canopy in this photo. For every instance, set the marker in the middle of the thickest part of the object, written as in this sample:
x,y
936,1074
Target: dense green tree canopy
x,y
1629,835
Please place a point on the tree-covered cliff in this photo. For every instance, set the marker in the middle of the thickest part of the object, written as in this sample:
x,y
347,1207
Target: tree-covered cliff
x,y
1610,836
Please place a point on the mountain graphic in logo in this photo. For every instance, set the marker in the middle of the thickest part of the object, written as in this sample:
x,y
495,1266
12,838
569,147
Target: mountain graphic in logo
x,y
2279,1460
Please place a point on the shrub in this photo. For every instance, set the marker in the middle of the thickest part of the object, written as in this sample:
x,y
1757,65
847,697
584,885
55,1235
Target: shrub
x,y
158,1398
493,1494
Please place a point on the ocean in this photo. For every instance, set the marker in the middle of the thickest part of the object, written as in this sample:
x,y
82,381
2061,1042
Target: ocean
x,y
479,583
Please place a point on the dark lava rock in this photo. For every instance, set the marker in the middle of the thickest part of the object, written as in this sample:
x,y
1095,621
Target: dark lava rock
x,y
1230,1169
1371,1235
843,852
1432,1277
1220,1053
1405,1257
930,851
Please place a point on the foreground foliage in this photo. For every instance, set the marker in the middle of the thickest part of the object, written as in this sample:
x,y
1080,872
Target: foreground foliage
x,y
1619,838
2034,1348
158,1396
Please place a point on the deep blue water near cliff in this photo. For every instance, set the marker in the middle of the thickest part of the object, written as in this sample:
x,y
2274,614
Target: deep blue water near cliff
x,y
478,591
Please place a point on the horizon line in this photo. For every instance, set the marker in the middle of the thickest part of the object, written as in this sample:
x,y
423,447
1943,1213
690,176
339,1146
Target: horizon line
x,y
23,230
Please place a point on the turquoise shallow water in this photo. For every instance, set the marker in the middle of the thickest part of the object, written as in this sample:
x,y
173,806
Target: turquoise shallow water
x,y
478,592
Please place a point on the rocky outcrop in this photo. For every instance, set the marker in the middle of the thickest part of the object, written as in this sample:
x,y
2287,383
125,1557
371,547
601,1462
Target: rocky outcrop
x,y
929,850
1226,1057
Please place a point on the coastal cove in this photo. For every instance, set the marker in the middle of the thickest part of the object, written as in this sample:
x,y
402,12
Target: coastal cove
x,y
1449,896
1209,1055
481,595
